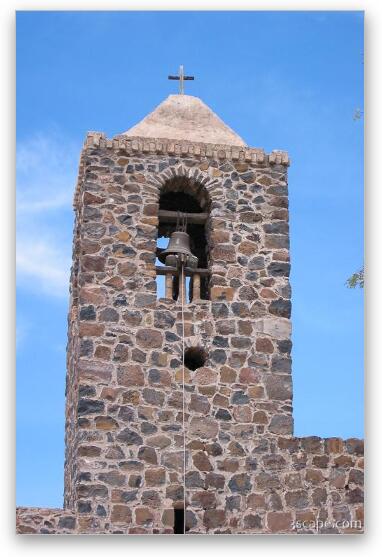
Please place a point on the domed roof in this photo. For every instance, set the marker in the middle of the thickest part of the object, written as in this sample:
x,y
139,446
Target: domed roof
x,y
183,117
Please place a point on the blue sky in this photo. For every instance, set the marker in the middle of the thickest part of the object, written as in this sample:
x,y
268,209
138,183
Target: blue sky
x,y
281,80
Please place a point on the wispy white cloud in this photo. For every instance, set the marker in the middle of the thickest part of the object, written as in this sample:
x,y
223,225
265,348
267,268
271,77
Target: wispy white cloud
x,y
46,172
22,330
39,205
42,261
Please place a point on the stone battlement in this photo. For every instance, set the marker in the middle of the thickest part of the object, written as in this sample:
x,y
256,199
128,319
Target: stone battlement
x,y
173,147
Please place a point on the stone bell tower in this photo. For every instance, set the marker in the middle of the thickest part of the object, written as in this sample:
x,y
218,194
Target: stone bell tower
x,y
142,442
179,391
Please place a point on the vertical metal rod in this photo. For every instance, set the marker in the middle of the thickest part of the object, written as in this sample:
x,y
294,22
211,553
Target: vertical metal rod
x,y
183,292
183,405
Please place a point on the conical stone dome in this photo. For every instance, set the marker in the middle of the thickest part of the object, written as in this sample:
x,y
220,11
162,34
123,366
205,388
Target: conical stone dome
x,y
183,117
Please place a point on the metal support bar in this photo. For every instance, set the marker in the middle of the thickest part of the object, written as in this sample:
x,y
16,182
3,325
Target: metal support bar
x,y
164,270
192,218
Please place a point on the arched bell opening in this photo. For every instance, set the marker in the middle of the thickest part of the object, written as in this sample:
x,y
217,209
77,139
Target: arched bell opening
x,y
183,206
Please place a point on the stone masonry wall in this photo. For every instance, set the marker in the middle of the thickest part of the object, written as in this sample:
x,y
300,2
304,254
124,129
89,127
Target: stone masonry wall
x,y
302,482
72,355
245,472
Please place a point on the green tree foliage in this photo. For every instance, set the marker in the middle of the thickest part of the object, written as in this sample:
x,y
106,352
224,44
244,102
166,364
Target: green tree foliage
x,y
356,279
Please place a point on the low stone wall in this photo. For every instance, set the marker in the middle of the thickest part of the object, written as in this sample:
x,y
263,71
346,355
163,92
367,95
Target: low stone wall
x,y
287,485
35,520
290,485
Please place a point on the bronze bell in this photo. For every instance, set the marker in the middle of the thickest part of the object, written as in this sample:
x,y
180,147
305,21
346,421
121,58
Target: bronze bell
x,y
179,244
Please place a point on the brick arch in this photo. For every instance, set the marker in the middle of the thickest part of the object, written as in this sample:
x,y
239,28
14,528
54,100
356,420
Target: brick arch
x,y
197,195
194,177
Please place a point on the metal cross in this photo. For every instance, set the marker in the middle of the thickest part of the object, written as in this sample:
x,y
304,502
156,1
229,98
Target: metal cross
x,y
181,78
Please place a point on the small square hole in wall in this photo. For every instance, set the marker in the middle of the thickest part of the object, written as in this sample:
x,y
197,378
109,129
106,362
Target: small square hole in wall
x,y
179,521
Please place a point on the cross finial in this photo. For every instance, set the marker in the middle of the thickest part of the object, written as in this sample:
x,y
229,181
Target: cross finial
x,y
181,78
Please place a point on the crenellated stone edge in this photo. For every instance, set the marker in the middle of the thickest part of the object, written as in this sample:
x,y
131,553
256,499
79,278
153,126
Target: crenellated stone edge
x,y
138,145
176,147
